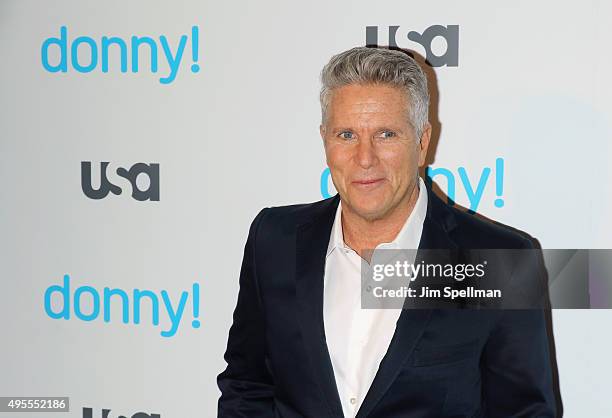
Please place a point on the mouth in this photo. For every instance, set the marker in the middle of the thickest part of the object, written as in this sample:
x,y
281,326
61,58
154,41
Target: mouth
x,y
368,183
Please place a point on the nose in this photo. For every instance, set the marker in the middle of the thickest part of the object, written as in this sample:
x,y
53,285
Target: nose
x,y
366,154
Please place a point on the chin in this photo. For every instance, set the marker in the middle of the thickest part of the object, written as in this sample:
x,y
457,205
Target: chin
x,y
368,211
371,216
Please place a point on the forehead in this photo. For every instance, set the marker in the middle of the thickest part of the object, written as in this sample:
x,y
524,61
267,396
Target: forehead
x,y
368,100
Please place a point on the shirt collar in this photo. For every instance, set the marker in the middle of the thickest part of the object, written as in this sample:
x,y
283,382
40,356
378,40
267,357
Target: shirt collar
x,y
408,237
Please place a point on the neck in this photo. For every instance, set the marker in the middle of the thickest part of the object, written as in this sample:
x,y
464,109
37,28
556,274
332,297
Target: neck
x,y
362,234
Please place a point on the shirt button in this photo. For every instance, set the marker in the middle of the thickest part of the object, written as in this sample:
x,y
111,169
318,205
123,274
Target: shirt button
x,y
353,401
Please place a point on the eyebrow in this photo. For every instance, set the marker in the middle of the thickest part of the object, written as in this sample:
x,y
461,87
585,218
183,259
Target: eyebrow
x,y
379,128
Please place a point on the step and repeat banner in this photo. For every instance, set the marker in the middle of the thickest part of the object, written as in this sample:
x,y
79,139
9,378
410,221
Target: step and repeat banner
x,y
139,139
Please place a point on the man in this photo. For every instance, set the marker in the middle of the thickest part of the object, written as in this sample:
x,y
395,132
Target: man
x,y
300,344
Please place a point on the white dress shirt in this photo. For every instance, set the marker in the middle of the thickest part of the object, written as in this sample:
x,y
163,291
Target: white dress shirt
x,y
358,339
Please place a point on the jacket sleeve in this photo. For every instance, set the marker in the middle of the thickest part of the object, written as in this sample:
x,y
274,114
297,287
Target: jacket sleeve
x,y
517,368
246,385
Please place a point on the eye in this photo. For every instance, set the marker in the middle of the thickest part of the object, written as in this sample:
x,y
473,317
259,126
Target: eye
x,y
346,135
388,134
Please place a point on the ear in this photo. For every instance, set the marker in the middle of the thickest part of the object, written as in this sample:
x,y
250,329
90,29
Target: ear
x,y
424,144
322,133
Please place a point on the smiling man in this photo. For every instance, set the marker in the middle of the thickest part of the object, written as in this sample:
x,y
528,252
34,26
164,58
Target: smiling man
x,y
302,346
373,153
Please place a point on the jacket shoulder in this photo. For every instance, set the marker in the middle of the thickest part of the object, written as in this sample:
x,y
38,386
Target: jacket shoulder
x,y
475,231
288,218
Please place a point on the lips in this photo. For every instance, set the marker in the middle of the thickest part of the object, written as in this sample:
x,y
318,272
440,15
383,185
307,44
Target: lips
x,y
367,182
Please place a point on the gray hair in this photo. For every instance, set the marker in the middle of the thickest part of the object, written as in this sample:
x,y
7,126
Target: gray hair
x,y
364,65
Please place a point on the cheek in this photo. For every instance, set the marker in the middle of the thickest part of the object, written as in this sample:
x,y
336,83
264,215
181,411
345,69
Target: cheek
x,y
401,163
337,157
337,162
331,154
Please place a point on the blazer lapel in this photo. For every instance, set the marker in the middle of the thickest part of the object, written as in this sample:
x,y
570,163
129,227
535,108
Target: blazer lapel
x,y
312,241
409,328
412,322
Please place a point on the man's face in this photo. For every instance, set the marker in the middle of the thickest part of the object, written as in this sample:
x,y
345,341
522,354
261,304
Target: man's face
x,y
371,148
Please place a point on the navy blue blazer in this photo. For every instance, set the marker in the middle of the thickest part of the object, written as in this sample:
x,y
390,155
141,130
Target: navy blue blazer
x,y
440,362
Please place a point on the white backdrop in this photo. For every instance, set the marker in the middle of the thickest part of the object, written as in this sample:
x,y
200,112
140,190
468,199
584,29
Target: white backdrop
x,y
240,134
